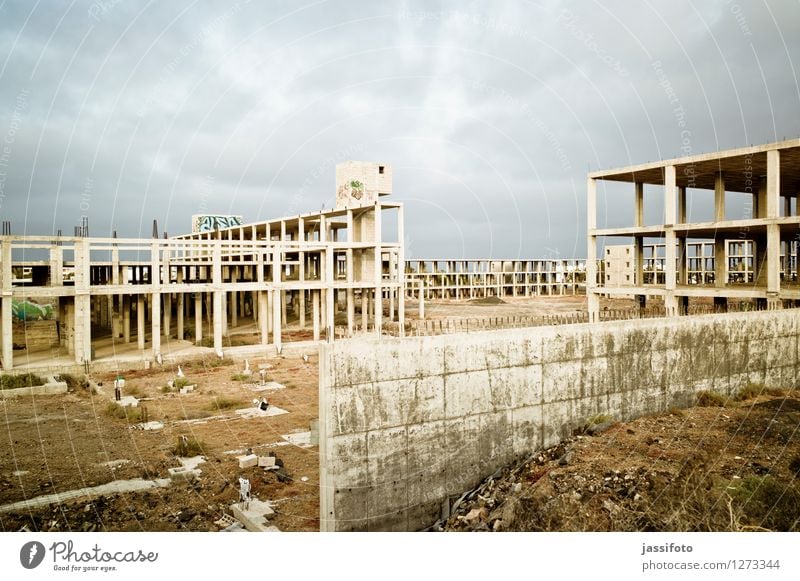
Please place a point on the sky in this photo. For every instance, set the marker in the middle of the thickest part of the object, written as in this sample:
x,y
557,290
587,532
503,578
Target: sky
x,y
490,113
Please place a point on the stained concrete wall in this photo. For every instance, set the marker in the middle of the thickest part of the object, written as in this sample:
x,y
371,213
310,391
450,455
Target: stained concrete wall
x,y
406,424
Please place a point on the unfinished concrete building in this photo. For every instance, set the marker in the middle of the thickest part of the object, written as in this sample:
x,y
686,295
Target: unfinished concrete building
x,y
769,178
305,273
470,278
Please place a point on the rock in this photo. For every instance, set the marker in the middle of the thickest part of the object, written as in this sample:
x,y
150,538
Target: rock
x,y
517,487
498,525
186,515
477,514
565,459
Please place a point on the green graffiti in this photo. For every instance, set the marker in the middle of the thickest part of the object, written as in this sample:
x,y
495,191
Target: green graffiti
x,y
30,311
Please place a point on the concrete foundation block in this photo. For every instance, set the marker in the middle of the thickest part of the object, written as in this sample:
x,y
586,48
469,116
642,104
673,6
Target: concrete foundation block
x,y
182,474
248,461
266,461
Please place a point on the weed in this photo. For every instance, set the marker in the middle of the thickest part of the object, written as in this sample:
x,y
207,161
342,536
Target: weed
x,y
222,403
239,377
767,503
710,399
189,446
21,380
131,414
750,391
73,381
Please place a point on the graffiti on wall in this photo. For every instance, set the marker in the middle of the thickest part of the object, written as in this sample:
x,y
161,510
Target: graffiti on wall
x,y
211,222
31,311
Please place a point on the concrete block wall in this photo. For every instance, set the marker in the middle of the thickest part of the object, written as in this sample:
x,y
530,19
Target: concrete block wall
x,y
406,424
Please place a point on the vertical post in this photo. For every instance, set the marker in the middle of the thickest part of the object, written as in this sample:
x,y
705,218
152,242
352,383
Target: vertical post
x,y
401,272
276,294
198,318
773,230
593,299
126,318
638,217
670,279
329,277
315,312
719,197
217,298
263,317
140,321
378,272
7,339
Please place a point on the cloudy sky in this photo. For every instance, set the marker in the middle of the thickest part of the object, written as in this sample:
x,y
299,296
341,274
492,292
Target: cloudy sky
x,y
491,113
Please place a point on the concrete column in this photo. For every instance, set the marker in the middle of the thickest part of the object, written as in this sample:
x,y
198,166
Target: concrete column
x,y
167,314
218,299
681,204
83,328
301,306
198,318
351,311
269,311
670,193
223,315
126,318
638,216
378,271
140,321
592,298
155,319
720,263
277,303
421,305
401,273
365,310
234,306
773,231
263,317
7,331
180,298
638,260
719,197
315,313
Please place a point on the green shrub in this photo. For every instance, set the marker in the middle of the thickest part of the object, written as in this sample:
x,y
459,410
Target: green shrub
x,y
710,399
73,381
767,503
240,377
20,380
750,391
132,414
189,446
222,403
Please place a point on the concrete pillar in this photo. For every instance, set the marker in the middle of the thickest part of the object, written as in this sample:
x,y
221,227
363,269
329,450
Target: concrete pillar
x,y
720,263
401,273
234,308
83,328
167,314
140,321
638,212
277,307
670,193
155,320
773,231
7,331
638,260
351,311
269,311
301,306
315,313
719,197
421,305
126,318
330,275
592,298
198,318
179,307
263,317
365,310
218,298
283,301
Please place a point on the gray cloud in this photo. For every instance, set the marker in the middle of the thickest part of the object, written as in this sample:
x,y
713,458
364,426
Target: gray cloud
x,y
490,115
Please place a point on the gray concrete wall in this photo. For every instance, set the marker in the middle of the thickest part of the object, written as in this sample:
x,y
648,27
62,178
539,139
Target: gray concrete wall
x,y
407,423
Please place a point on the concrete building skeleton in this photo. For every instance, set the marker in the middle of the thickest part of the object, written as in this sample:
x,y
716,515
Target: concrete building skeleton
x,y
769,175
151,290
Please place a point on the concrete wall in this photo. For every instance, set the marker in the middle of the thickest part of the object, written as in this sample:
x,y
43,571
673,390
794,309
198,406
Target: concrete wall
x,y
408,423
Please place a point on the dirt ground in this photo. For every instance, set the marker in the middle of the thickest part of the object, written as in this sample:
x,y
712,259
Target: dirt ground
x,y
53,444
630,477
729,468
